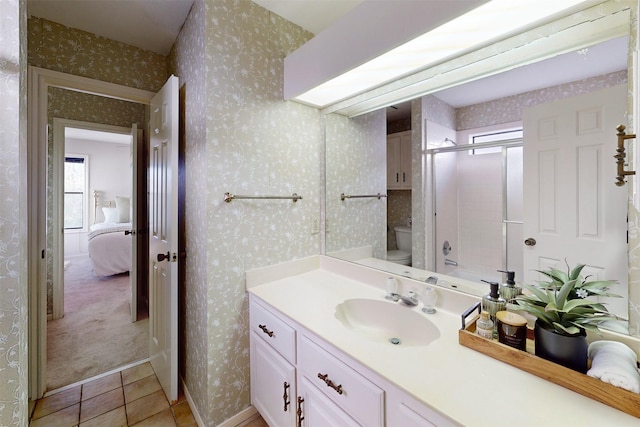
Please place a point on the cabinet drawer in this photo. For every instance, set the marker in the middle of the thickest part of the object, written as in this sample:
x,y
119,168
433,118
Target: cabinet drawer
x,y
356,395
273,330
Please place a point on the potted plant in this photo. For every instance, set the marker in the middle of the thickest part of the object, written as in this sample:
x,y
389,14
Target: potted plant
x,y
564,309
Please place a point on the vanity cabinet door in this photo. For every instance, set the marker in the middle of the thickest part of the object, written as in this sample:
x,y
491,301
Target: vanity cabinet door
x,y
317,410
273,384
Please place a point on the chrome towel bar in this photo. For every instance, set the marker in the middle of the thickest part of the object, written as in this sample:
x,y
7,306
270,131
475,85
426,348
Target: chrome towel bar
x,y
360,196
228,197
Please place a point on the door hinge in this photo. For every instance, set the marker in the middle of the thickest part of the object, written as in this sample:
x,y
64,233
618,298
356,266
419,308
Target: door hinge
x,y
43,253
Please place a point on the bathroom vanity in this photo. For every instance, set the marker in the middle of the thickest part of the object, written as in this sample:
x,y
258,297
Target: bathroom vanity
x,y
321,355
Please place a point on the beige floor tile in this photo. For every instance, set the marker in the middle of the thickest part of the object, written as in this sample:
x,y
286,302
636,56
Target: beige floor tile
x,y
141,388
183,415
113,418
259,422
101,385
136,373
55,402
161,419
66,417
146,406
101,404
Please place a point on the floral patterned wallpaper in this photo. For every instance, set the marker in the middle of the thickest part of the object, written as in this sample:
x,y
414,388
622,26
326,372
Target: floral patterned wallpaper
x,y
68,50
357,165
398,213
13,215
242,138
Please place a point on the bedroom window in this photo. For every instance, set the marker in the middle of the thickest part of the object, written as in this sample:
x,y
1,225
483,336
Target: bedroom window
x,y
75,192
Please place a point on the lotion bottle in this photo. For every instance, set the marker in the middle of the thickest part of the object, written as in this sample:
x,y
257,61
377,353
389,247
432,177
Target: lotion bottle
x,y
493,303
509,290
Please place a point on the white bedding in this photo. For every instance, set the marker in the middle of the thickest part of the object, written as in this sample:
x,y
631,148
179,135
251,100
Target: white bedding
x,y
110,248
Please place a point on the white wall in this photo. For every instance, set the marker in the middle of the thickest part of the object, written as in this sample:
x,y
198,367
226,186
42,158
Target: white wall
x,y
109,172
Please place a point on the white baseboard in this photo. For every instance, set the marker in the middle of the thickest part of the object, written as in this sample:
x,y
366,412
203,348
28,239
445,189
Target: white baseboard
x,y
192,406
238,420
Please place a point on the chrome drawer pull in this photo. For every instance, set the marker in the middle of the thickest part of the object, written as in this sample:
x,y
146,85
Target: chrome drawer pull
x,y
328,382
285,396
265,330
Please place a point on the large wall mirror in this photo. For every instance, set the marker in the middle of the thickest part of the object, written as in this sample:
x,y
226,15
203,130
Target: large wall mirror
x,y
478,188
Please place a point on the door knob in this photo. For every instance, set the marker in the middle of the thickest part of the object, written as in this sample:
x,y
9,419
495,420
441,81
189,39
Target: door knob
x,y
530,241
162,257
127,232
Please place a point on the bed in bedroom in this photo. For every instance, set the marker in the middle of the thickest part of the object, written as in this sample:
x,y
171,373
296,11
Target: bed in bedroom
x,y
109,246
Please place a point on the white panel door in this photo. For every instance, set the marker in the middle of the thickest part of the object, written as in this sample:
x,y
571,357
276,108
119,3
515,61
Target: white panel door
x,y
163,237
573,209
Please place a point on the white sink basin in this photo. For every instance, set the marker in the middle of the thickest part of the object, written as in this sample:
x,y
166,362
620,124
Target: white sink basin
x,y
386,321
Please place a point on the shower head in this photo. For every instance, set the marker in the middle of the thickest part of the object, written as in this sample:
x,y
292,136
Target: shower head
x,y
451,141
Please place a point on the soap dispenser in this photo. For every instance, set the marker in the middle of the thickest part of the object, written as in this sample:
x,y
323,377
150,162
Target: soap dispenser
x,y
493,303
509,290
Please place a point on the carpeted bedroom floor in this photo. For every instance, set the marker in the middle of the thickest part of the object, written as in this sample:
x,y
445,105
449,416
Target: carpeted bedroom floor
x,y
96,334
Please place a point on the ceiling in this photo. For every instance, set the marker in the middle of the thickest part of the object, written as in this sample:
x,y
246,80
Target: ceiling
x,y
81,135
148,24
155,24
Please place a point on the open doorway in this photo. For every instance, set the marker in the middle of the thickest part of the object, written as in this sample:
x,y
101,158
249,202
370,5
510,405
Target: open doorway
x,y
98,323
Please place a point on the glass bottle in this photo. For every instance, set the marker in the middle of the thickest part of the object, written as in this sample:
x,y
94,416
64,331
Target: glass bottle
x,y
484,325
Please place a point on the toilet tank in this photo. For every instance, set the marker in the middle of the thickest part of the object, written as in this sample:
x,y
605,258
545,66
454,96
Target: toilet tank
x,y
403,238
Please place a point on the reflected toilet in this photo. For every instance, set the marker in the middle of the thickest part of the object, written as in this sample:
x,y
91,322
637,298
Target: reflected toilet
x,y
402,255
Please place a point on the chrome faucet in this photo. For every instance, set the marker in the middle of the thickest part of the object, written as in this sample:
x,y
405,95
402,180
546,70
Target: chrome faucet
x,y
448,261
410,299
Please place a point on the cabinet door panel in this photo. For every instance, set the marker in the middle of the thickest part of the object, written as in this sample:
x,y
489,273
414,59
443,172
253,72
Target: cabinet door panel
x,y
318,411
393,162
405,161
269,373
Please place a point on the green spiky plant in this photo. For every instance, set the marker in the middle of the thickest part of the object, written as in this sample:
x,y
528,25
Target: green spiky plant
x,y
562,303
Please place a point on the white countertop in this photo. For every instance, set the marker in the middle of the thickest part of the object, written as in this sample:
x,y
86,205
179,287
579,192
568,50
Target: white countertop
x,y
466,386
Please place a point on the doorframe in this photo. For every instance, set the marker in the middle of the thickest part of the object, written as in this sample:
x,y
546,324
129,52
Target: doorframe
x,y
39,81
59,150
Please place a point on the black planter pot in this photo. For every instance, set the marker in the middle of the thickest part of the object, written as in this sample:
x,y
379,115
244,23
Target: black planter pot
x,y
567,350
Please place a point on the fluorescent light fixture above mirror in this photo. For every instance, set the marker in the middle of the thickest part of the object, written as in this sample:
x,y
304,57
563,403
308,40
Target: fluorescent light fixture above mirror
x,y
480,26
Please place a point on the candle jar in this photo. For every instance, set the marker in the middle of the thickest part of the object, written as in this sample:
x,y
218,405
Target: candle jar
x,y
512,329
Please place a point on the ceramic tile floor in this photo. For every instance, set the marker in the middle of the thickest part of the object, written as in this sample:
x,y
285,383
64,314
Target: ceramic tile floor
x,y
131,397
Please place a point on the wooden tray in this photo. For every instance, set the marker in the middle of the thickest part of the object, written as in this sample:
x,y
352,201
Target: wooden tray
x,y
593,388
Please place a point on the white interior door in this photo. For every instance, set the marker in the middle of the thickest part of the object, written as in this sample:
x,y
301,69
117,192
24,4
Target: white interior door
x,y
573,209
133,272
163,237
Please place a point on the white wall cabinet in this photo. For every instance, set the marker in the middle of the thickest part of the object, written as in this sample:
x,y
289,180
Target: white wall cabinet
x,y
399,161
312,384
